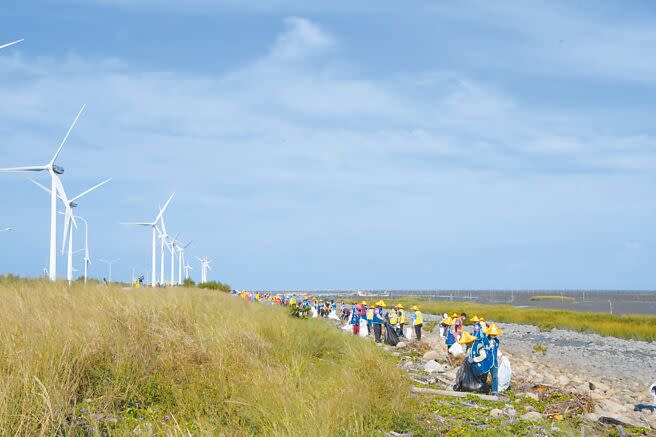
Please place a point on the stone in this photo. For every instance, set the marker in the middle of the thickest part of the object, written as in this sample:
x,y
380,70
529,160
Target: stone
x,y
530,395
592,417
532,416
563,380
401,345
434,366
431,355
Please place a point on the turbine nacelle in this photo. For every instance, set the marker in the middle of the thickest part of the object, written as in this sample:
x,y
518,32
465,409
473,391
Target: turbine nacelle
x,y
58,169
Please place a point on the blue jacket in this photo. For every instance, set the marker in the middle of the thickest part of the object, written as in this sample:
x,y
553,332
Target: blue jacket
x,y
355,317
378,316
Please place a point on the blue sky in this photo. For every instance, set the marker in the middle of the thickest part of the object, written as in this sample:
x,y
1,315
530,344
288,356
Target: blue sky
x,y
333,146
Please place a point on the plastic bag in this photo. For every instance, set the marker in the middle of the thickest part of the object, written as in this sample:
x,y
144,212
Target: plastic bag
x,y
315,313
333,315
505,374
456,350
408,333
391,337
468,381
364,330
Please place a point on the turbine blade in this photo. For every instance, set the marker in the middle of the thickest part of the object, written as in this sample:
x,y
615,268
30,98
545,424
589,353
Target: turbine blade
x,y
47,190
19,169
136,223
161,210
90,190
67,220
54,158
11,43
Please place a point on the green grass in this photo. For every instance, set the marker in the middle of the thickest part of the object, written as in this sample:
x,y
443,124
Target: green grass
x,y
184,361
562,298
639,327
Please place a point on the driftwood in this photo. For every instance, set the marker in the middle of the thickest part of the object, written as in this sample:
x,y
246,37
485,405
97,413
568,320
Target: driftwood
x,y
457,394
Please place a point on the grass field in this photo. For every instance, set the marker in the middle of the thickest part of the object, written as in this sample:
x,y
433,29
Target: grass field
x,y
177,361
556,298
639,327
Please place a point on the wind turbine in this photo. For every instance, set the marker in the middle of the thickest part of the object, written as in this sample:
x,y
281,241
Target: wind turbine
x,y
204,266
68,218
53,170
187,267
109,263
87,259
155,231
11,43
171,245
180,247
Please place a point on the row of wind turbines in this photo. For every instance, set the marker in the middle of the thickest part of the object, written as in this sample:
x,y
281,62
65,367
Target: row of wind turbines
x,y
57,191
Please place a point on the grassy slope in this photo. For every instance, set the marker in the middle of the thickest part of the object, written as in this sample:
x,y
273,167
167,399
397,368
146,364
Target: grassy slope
x,y
639,327
184,360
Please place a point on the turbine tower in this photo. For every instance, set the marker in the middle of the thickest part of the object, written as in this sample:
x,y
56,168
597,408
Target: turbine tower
x,y
155,231
53,170
109,263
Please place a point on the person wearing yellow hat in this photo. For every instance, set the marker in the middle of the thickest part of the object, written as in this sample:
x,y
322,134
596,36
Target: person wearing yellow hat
x,y
493,333
450,337
417,321
400,313
378,320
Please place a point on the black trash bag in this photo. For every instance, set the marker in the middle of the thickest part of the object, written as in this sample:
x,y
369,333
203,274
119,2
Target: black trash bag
x,y
391,337
467,380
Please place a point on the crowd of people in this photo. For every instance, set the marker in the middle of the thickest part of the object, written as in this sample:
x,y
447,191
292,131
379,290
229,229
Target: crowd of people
x,y
480,347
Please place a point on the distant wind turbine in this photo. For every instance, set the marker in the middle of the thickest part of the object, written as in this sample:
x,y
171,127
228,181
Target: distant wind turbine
x,y
204,266
109,263
53,170
155,231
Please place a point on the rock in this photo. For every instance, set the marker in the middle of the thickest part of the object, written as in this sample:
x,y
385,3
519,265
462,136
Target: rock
x,y
401,345
434,366
563,380
530,395
496,413
532,416
610,408
592,417
431,355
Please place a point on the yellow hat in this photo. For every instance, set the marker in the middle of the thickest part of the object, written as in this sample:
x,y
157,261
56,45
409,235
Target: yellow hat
x,y
415,308
448,321
364,302
475,319
399,306
466,338
493,330
454,316
381,303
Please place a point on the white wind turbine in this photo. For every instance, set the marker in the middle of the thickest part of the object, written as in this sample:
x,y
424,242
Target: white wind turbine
x,y
87,259
68,218
109,263
170,243
180,247
11,43
53,170
204,266
155,231
187,267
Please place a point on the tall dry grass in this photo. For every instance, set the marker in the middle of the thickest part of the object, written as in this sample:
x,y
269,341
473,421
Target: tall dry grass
x,y
98,359
630,326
